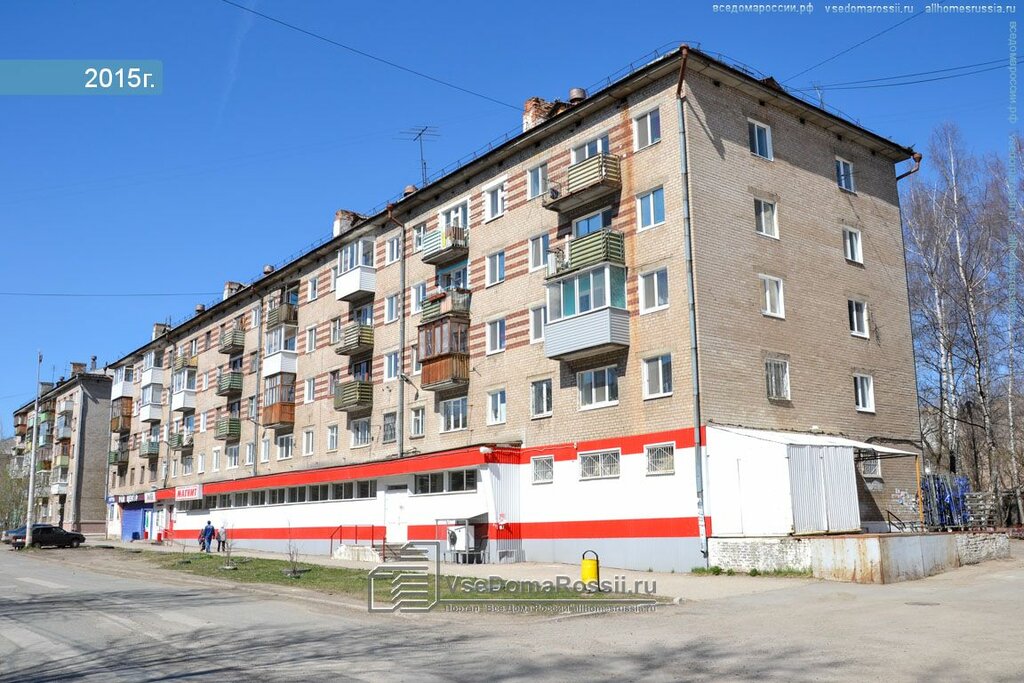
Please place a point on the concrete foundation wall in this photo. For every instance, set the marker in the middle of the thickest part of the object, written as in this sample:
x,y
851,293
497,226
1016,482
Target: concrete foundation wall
x,y
975,548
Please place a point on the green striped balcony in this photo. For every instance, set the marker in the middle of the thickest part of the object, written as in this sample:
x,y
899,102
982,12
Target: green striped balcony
x,y
353,396
231,341
150,449
228,429
355,338
229,384
604,246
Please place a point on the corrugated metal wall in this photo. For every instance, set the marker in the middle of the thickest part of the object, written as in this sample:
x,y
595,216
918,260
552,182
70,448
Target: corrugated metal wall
x,y
824,489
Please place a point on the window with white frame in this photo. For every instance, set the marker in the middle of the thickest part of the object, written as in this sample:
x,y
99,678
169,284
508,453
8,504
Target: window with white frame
x,y
765,221
363,315
265,450
391,366
650,208
858,314
285,444
584,292
455,217
309,393
844,174
201,463
336,330
495,269
601,465
540,398
332,437
598,388
494,201
646,129
391,308
496,336
307,442
257,316
417,293
539,251
590,148
417,365
231,456
864,393
393,249
870,464
186,465
759,137
250,453
658,376
202,422
496,407
313,288
776,377
660,458
772,297
418,231
538,319
152,394
389,431
852,245
281,338
355,254
417,418
536,181
215,460
543,469
310,339
654,290
454,414
360,429
599,220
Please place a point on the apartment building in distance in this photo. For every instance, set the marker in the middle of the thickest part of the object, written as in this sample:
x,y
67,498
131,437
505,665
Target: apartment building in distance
x,y
671,310
71,429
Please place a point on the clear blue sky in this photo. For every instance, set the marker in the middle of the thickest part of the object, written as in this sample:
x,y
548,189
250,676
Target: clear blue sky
x,y
261,132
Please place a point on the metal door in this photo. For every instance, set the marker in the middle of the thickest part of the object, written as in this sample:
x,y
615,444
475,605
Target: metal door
x,y
397,528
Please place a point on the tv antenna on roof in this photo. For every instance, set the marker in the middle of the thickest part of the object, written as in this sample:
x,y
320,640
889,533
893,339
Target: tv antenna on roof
x,y
419,134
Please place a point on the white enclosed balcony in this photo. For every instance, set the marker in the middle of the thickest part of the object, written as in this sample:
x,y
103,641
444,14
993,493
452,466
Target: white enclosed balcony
x,y
183,401
120,389
153,376
356,283
281,361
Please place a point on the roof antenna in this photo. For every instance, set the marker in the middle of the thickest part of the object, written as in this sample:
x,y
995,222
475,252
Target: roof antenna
x,y
419,134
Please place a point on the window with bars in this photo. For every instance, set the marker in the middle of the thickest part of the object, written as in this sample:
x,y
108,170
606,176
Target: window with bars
x,y
776,373
543,469
602,465
660,458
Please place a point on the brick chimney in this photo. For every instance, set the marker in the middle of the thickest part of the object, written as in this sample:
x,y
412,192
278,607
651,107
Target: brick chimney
x,y
159,329
77,369
537,110
231,288
344,220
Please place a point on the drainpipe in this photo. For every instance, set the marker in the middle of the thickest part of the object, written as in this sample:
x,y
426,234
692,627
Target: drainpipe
x,y
257,440
917,167
400,417
30,514
684,174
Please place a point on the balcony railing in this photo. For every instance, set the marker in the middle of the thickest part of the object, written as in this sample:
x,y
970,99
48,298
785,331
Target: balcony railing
x,y
45,416
66,406
359,282
284,314
446,302
228,428
355,338
279,415
444,245
584,182
588,334
63,433
445,372
180,441
61,461
184,360
231,341
21,429
603,246
118,456
121,424
229,384
354,395
150,449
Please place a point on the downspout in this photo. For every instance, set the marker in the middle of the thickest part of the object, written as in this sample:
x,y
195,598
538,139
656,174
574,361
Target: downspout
x,y
684,174
917,166
400,418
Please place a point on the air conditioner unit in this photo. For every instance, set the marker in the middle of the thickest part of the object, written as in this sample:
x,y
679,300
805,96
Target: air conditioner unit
x,y
461,538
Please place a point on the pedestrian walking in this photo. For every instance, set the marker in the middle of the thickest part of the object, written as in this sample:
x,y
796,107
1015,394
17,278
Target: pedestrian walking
x,y
208,532
222,538
202,541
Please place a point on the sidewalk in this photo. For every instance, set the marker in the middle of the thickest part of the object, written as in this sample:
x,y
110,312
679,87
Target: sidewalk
x,y
684,586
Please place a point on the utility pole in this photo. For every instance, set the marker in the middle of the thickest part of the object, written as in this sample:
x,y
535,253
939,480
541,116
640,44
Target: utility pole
x,y
29,516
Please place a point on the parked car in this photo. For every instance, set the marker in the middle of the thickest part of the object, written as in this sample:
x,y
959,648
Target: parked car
x,y
48,534
6,536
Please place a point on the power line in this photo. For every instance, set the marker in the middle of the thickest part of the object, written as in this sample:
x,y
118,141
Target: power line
x,y
375,58
893,78
920,80
107,294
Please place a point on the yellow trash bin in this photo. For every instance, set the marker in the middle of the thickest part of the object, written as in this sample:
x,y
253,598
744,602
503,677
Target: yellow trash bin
x,y
590,568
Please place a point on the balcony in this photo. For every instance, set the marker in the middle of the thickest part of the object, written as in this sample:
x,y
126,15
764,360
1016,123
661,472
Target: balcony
x,y
284,361
231,341
118,456
228,429
180,441
120,389
61,461
151,412
21,429
183,401
152,376
355,284
445,372
284,314
355,338
184,360
59,488
442,246
63,433
353,396
229,384
588,334
42,484
45,417
121,415
604,246
279,415
446,302
66,407
587,181
150,449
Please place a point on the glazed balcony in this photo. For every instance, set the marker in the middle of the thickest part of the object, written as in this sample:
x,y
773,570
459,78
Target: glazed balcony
x,y
61,461
21,429
184,360
121,415
232,341
228,429
59,488
449,371
584,182
63,433
118,456
152,375
119,389
229,384
180,441
45,416
442,246
183,401
355,338
42,484
150,449
353,396
283,314
357,283
446,302
588,334
66,406
151,412
279,415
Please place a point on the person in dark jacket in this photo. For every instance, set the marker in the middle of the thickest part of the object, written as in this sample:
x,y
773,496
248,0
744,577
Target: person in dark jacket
x,y
208,532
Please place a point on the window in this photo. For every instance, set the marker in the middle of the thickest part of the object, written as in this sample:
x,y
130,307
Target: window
x,y
313,288
231,456
646,129
393,250
864,393
543,469
310,339
844,174
591,148
285,443
496,336
600,220
418,231
355,489
363,315
764,218
307,442
601,465
277,496
539,252
333,380
414,360
416,422
152,394
454,277
536,181
454,414
202,422
418,293
250,453
335,330
281,338
391,368
772,300
776,376
650,208
319,492
654,291
660,458
265,450
257,316
391,308
759,136
495,268
603,286
858,314
186,466
253,360
462,480
258,497
540,398
870,464
658,376
851,245
332,437
390,428
598,388
429,483
355,254
360,432
455,217
496,407
201,464
360,371
494,201
538,319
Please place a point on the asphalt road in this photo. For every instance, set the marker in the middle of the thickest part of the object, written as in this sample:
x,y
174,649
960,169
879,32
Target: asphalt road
x,y
70,617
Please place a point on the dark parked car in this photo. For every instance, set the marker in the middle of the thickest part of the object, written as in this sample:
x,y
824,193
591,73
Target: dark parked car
x,y
20,531
48,534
